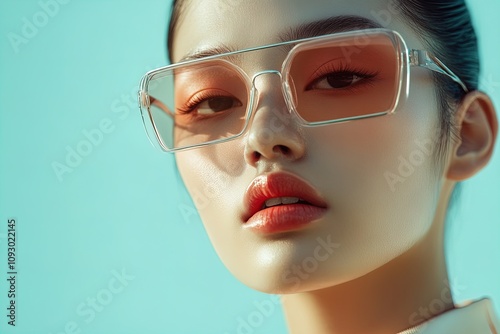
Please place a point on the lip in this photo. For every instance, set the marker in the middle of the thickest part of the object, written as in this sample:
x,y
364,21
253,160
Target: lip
x,y
286,217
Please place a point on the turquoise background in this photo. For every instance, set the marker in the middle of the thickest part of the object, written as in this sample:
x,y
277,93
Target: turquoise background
x,y
122,211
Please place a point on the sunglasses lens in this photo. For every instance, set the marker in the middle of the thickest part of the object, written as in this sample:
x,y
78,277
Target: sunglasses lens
x,y
352,76
198,104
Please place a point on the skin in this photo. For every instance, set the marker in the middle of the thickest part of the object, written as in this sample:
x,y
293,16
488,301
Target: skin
x,y
388,261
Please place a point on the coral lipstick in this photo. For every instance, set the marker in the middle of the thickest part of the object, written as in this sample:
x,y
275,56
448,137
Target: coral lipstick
x,y
281,202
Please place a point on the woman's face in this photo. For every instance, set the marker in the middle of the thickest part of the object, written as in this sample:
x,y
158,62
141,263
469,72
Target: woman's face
x,y
374,181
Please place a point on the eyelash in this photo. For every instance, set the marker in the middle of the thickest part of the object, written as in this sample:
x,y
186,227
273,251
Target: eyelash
x,y
329,69
190,106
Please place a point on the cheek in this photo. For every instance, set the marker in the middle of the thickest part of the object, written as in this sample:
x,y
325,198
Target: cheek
x,y
211,173
382,183
216,179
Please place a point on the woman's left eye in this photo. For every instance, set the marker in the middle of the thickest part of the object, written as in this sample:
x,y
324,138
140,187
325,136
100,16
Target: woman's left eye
x,y
338,80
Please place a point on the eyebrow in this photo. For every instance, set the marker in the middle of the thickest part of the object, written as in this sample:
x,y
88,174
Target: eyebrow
x,y
207,52
326,26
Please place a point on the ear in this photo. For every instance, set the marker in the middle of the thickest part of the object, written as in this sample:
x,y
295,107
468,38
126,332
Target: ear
x,y
478,127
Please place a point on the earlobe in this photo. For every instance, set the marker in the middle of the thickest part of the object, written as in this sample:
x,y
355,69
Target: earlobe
x,y
477,128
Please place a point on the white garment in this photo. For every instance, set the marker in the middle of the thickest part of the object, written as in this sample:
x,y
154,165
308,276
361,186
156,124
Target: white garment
x,y
476,317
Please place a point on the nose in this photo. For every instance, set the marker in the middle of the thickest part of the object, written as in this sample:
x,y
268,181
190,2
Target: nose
x,y
274,132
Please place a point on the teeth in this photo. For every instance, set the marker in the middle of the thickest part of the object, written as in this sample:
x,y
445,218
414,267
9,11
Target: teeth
x,y
289,200
273,202
281,200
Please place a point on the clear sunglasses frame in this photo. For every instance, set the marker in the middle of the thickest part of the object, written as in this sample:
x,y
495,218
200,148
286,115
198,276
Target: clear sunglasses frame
x,y
407,58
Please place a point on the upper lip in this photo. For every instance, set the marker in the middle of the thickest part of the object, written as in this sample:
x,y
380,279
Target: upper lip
x,y
276,185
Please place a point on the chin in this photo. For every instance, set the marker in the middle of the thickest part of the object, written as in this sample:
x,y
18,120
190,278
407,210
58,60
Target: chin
x,y
286,279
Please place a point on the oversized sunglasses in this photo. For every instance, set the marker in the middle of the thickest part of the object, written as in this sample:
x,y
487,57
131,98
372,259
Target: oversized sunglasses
x,y
326,79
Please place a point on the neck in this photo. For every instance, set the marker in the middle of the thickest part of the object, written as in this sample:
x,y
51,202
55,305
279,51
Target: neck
x,y
401,294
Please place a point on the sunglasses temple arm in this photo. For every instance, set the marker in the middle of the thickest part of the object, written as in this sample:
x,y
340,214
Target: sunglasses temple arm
x,y
425,59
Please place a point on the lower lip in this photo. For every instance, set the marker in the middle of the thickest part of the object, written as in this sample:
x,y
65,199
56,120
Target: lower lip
x,y
283,218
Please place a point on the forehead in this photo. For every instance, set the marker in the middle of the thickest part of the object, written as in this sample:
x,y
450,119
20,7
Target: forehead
x,y
240,24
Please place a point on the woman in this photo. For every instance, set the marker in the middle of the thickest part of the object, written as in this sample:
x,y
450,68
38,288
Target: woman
x,y
322,143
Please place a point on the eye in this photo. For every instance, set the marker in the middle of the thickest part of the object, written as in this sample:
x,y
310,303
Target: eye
x,y
205,104
342,79
337,80
217,104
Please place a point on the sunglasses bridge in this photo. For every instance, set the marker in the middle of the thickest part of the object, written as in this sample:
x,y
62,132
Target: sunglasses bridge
x,y
284,93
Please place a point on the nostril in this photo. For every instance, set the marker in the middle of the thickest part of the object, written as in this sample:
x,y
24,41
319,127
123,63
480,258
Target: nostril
x,y
256,156
282,150
285,150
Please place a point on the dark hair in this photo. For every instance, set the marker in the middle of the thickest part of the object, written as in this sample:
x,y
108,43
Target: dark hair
x,y
446,29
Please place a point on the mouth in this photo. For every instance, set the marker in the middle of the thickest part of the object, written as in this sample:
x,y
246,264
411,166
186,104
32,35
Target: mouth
x,y
280,202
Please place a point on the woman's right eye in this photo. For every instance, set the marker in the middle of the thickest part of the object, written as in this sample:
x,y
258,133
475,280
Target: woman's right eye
x,y
206,105
216,104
